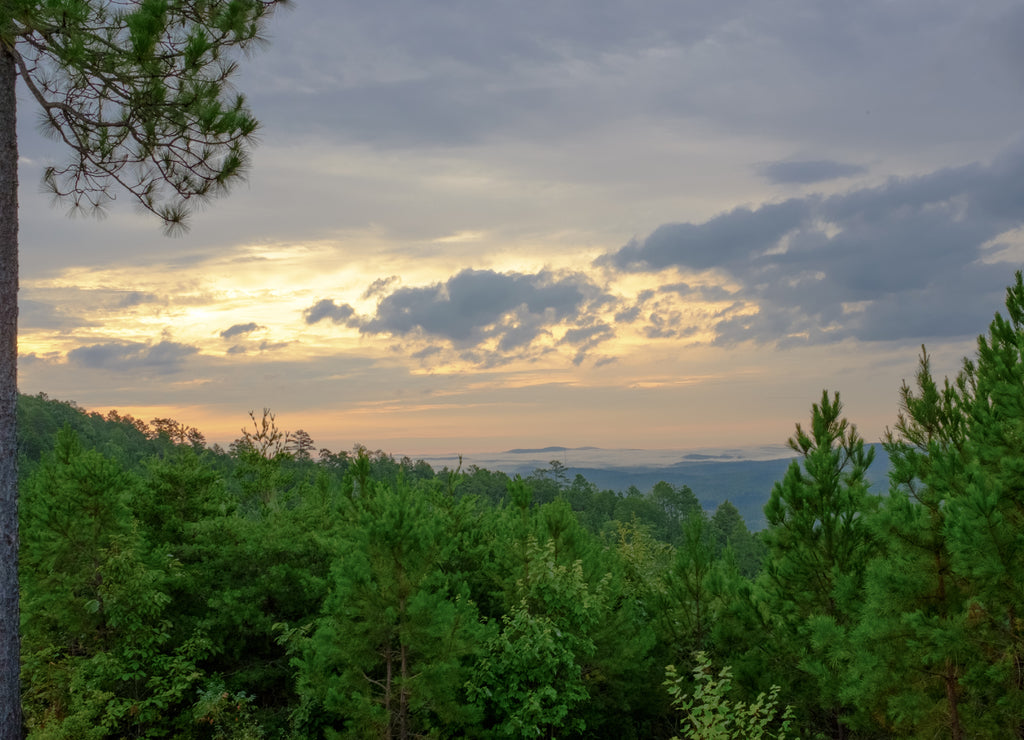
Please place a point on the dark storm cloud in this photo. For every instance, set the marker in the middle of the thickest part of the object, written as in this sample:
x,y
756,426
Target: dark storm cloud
x,y
327,309
905,258
807,171
163,357
475,306
240,329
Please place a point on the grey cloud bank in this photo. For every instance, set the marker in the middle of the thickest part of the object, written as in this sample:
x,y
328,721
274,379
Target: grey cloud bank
x,y
807,171
907,259
163,357
476,305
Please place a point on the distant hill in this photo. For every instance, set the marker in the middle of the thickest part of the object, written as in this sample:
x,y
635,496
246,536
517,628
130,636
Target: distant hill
x,y
746,483
743,476
544,450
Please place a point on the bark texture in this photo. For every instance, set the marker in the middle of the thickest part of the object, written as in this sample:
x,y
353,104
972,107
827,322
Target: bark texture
x,y
10,663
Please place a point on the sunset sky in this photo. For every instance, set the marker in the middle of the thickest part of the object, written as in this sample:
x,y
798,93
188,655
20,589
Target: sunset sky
x,y
476,226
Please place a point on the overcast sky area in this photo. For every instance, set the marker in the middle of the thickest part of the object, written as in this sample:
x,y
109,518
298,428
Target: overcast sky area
x,y
476,226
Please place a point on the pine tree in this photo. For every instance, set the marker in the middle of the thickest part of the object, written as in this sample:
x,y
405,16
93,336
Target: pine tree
x,y
729,530
819,546
140,95
689,600
911,645
986,524
392,650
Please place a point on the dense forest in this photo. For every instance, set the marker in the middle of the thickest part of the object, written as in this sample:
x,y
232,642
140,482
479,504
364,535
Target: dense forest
x,y
175,589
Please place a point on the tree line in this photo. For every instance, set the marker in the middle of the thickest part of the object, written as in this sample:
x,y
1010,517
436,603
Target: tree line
x,y
175,589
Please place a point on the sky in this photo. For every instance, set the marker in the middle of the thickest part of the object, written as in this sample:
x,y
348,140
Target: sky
x,y
478,226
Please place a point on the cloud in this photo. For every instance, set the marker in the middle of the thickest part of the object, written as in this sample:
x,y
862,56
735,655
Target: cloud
x,y
477,306
668,325
132,298
733,237
29,358
379,286
711,293
272,346
585,338
898,261
588,334
451,73
805,172
326,309
239,329
468,304
43,315
163,357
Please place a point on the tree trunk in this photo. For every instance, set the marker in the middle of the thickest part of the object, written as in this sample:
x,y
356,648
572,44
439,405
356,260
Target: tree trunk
x,y
952,696
388,654
10,661
403,697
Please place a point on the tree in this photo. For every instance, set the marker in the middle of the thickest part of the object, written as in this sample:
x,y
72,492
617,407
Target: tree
x,y
100,658
729,530
910,646
678,503
819,546
985,525
140,93
398,633
301,445
687,609
531,682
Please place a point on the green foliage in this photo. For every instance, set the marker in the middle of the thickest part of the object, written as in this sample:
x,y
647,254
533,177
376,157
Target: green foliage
x,y
911,645
140,94
819,546
691,591
728,530
531,679
398,633
985,525
818,534
98,655
709,715
222,715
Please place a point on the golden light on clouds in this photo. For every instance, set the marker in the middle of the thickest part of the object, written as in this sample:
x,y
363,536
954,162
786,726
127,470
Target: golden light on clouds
x,y
250,302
